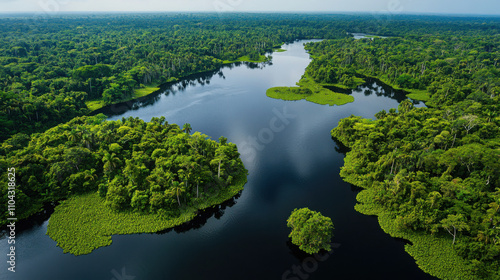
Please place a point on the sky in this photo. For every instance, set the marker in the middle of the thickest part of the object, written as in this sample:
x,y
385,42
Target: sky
x,y
484,7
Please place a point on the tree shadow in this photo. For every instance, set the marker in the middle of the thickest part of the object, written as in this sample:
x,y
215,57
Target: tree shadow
x,y
202,217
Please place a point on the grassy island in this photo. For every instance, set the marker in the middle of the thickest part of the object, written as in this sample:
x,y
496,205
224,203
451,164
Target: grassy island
x,y
311,91
120,177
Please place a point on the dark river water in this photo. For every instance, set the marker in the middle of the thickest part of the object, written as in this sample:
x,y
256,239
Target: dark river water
x,y
292,163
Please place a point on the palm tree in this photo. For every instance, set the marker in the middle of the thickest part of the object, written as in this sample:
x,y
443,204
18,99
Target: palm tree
x,y
178,189
107,136
91,175
187,128
111,161
405,106
490,115
73,135
87,140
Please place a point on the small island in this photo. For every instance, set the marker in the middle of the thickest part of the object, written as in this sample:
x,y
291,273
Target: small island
x,y
311,231
309,90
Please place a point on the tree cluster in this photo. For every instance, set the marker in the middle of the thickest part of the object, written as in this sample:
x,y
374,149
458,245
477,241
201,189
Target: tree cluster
x,y
311,231
140,166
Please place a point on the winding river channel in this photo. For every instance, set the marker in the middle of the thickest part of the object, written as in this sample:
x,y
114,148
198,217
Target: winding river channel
x,y
292,162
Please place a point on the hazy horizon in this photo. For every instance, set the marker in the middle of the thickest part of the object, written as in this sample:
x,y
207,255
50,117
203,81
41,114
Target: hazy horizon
x,y
443,7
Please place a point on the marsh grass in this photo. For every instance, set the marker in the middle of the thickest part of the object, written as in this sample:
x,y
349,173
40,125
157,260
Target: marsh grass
x,y
434,254
84,223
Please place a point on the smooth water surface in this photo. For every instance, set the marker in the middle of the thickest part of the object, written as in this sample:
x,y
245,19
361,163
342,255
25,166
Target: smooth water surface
x,y
292,163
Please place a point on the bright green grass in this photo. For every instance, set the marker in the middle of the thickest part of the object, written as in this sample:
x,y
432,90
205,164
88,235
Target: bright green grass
x,y
140,92
319,94
286,93
421,95
279,50
95,104
83,223
434,254
262,58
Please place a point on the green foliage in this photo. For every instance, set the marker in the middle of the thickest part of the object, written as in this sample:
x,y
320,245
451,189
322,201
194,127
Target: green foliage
x,y
433,67
434,254
430,174
311,231
435,173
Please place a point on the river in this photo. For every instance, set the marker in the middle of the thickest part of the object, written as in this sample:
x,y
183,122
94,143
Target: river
x,y
292,163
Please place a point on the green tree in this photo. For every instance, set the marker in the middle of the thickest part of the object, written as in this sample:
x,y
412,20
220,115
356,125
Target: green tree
x,y
454,223
187,128
177,189
311,231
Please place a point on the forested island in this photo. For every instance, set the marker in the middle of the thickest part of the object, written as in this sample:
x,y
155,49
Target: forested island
x,y
431,175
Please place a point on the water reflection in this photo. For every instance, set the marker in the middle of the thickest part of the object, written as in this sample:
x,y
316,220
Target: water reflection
x,y
371,86
172,88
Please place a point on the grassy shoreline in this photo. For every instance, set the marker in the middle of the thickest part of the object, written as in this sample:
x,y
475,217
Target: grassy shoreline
x,y
84,223
311,91
433,254
140,92
245,58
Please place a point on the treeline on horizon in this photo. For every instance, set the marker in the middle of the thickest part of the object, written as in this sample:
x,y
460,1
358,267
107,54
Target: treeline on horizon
x,y
50,68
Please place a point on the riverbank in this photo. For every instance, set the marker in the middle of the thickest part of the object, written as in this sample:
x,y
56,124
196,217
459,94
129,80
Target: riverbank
x,y
84,223
94,105
140,92
246,58
416,94
434,253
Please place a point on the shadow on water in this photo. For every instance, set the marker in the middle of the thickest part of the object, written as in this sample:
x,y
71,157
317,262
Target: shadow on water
x,y
302,256
203,216
340,148
377,87
33,221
